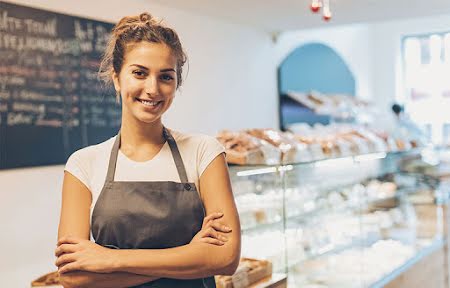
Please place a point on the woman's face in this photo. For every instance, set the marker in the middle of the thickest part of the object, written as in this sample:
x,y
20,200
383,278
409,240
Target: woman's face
x,y
147,81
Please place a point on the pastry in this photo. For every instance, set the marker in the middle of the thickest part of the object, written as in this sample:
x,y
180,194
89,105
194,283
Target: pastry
x,y
49,279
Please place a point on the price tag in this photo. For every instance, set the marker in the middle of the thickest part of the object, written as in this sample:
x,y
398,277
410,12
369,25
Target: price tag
x,y
240,280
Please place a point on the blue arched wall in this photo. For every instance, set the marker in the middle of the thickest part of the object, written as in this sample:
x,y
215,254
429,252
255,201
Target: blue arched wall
x,y
313,66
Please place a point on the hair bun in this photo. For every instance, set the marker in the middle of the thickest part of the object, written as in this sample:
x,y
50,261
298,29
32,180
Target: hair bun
x,y
145,17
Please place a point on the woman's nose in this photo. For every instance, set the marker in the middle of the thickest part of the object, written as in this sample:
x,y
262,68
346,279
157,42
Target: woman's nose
x,y
151,86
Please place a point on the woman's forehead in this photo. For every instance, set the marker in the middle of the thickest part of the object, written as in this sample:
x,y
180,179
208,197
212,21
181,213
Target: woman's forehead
x,y
150,54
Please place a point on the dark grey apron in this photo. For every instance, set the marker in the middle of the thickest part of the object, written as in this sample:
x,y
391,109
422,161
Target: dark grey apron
x,y
149,214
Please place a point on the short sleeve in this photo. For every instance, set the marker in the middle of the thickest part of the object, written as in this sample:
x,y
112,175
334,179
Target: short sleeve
x,y
78,167
209,148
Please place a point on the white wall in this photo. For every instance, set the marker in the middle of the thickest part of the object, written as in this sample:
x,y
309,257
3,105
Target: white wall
x,y
350,42
231,84
29,213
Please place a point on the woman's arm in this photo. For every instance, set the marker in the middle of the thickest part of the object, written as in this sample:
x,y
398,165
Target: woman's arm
x,y
195,260
74,221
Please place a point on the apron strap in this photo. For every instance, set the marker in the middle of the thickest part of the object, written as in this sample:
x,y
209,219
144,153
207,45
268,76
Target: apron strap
x,y
176,156
173,148
113,160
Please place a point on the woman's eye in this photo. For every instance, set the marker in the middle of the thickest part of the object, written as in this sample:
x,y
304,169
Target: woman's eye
x,y
139,73
166,77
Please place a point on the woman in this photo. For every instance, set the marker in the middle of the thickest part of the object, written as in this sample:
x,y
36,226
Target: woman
x,y
138,191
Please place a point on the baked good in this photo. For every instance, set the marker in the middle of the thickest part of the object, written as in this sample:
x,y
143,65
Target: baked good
x,y
252,270
241,148
49,279
285,144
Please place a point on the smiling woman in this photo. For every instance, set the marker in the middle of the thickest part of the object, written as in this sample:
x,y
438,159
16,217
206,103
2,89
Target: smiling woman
x,y
147,81
160,197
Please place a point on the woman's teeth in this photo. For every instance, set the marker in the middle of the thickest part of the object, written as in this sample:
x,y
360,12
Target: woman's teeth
x,y
149,103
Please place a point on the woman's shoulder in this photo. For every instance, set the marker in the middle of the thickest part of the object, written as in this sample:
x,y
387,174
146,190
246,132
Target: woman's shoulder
x,y
92,152
194,140
198,149
86,162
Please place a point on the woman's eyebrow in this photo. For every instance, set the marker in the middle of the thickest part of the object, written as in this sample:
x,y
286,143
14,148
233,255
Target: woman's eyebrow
x,y
162,70
168,70
140,66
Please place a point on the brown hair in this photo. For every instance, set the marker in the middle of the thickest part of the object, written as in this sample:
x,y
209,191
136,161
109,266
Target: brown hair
x,y
134,29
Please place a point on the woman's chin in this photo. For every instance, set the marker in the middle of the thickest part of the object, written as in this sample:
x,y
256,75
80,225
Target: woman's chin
x,y
143,117
148,119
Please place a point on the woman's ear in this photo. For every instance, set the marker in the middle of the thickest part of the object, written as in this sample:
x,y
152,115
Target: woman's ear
x,y
116,82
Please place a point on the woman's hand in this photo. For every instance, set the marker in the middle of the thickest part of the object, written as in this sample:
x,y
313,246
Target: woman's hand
x,y
212,231
76,254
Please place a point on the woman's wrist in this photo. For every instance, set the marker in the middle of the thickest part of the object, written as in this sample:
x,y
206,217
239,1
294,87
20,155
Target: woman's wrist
x,y
117,261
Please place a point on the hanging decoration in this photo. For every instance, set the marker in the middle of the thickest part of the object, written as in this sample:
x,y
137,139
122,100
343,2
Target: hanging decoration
x,y
316,5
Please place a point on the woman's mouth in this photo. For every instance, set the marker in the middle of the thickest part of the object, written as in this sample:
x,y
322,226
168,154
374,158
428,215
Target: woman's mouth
x,y
149,103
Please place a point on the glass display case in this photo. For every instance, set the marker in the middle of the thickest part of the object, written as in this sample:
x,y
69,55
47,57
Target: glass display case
x,y
358,221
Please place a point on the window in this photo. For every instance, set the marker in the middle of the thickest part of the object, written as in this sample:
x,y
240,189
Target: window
x,y
426,71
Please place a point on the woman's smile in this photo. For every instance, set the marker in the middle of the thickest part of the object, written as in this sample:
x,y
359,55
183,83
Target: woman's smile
x,y
151,105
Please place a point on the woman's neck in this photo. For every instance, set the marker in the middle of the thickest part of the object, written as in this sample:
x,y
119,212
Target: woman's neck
x,y
138,134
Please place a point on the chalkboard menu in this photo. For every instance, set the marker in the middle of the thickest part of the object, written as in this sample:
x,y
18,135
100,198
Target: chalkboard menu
x,y
51,101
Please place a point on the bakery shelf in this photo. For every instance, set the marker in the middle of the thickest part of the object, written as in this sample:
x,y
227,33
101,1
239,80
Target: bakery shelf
x,y
254,169
304,216
361,205
335,249
343,270
326,209
421,254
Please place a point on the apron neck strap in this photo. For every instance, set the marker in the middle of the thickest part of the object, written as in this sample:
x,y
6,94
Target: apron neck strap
x,y
113,160
173,148
176,156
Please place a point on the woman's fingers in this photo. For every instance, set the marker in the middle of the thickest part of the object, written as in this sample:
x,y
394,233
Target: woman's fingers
x,y
212,216
212,229
65,248
210,232
69,268
218,226
65,258
213,241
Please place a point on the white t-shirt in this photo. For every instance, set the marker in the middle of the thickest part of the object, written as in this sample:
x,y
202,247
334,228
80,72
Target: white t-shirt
x,y
90,164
